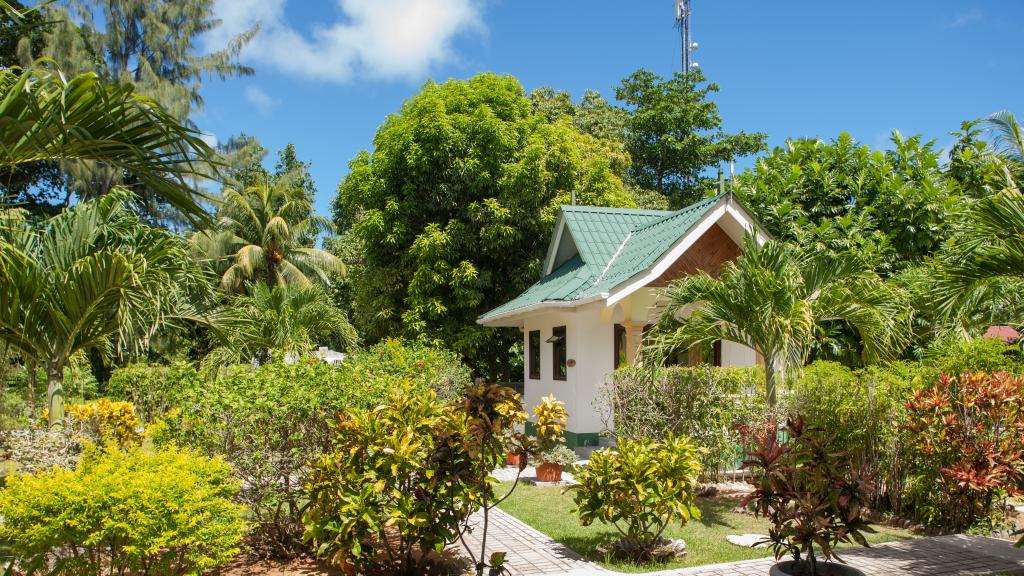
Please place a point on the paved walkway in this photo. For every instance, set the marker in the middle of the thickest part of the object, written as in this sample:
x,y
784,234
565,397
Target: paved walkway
x,y
531,553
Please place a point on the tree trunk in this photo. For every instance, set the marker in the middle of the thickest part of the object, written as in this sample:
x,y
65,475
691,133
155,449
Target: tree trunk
x,y
774,373
55,392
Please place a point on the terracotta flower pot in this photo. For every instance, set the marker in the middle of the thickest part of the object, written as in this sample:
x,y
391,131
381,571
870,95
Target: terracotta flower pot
x,y
549,472
824,569
512,459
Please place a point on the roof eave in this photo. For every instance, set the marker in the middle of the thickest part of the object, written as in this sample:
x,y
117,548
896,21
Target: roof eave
x,y
512,318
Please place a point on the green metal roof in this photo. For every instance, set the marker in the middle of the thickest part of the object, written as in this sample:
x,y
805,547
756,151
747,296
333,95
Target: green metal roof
x,y
598,232
613,245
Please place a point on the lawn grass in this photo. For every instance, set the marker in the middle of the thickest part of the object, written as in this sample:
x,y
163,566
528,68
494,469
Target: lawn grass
x,y
551,512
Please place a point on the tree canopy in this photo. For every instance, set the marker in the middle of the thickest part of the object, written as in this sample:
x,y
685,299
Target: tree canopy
x,y
894,207
454,205
673,133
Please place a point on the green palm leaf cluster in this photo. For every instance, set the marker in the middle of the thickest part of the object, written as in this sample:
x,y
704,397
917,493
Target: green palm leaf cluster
x,y
44,116
265,233
980,278
289,319
775,299
93,276
1008,141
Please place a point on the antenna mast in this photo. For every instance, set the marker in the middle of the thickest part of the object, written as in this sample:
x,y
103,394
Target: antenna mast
x,y
683,13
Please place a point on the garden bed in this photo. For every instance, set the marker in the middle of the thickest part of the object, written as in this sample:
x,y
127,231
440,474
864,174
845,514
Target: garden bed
x,y
550,511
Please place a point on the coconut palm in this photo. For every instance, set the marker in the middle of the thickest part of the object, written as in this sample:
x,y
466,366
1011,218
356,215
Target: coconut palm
x,y
775,299
289,319
93,276
265,234
44,116
981,271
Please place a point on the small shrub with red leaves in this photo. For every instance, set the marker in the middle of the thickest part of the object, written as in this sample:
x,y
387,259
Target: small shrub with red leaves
x,y
811,494
968,432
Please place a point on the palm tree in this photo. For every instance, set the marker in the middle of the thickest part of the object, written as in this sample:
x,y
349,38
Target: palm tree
x,y
981,271
289,319
44,116
774,299
265,233
92,276
1008,141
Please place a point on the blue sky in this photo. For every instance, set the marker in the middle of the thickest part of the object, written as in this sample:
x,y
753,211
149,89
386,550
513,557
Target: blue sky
x,y
329,71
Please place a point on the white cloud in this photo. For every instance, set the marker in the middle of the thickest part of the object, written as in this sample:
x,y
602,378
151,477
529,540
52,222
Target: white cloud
x,y
970,17
376,38
261,100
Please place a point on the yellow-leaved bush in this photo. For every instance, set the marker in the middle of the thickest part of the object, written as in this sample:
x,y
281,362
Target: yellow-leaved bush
x,y
640,487
107,421
168,512
551,421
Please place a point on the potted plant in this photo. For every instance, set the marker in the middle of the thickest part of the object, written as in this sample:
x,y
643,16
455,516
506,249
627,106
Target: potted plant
x,y
554,461
551,421
516,452
813,497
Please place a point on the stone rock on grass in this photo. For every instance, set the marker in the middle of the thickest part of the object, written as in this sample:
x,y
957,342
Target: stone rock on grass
x,y
673,549
748,540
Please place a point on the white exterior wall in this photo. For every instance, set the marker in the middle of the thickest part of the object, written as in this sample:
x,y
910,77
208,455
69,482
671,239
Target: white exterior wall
x,y
590,342
738,355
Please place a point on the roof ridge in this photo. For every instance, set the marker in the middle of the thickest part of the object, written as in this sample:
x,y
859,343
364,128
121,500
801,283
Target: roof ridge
x,y
613,210
684,210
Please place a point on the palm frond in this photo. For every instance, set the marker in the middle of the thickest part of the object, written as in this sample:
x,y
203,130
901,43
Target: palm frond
x,y
1007,135
44,116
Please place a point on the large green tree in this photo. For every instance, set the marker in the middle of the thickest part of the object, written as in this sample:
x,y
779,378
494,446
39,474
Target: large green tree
x,y
91,277
453,207
777,299
153,44
674,134
893,207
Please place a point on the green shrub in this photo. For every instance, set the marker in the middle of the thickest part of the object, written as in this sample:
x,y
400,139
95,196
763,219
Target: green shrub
x,y
392,361
270,421
862,411
267,423
153,389
641,487
705,403
163,513
956,356
401,479
16,395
